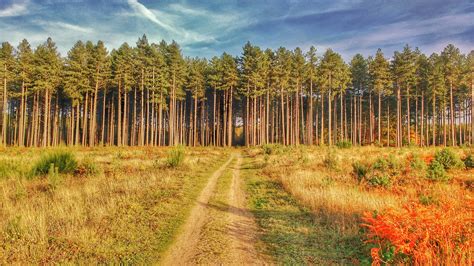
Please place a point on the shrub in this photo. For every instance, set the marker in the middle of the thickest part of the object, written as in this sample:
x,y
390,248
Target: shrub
x,y
422,235
416,163
469,161
175,156
380,181
436,171
331,161
360,170
448,159
53,177
387,164
344,144
65,161
267,149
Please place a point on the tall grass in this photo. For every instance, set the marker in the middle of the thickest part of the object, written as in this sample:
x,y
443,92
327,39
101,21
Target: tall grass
x,y
64,161
175,156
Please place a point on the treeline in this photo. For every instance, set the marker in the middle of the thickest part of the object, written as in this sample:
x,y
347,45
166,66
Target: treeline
x,y
152,95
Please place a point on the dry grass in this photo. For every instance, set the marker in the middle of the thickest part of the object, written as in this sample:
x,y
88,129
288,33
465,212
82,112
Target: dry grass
x,y
321,179
127,213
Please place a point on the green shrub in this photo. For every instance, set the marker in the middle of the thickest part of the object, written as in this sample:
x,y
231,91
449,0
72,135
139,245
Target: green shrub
x,y
469,161
175,156
331,161
267,149
416,163
389,165
65,161
360,170
53,177
344,144
380,181
437,172
428,200
448,159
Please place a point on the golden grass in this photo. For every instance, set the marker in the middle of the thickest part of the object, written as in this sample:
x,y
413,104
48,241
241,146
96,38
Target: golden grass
x,y
128,213
335,195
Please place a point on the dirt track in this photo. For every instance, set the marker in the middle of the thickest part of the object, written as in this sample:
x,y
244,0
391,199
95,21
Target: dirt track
x,y
240,229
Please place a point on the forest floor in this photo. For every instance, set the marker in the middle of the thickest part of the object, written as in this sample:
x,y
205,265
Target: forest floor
x,y
263,205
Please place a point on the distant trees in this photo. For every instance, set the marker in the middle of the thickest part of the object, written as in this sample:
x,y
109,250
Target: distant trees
x,y
150,94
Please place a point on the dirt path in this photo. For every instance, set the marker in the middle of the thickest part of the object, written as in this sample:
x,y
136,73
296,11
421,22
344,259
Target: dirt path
x,y
236,227
242,228
183,250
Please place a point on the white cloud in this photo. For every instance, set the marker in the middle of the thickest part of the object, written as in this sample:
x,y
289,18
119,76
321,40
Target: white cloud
x,y
16,9
147,13
72,27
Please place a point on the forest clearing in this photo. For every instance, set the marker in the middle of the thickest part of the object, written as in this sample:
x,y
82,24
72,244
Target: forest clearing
x,y
264,205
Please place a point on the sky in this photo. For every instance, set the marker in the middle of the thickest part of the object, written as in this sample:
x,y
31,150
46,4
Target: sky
x,y
209,28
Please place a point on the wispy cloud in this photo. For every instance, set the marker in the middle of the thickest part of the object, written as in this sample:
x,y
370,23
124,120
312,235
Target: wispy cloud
x,y
66,26
16,9
147,13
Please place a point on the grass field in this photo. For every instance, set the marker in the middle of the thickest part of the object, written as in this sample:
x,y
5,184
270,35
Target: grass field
x,y
128,205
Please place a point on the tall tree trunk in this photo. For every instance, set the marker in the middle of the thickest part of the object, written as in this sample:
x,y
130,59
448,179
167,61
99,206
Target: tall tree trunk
x,y
451,112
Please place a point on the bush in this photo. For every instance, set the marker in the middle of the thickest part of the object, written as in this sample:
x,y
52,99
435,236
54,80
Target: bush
x,y
64,161
448,159
469,161
380,181
422,235
416,163
390,164
360,170
175,156
53,177
331,161
267,149
344,144
436,171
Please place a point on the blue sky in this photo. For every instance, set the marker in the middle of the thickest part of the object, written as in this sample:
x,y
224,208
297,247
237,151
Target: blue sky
x,y
208,28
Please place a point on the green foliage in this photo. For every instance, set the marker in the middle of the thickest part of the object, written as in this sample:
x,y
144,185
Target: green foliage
x,y
448,159
9,169
344,144
380,181
386,164
54,179
416,163
65,162
428,199
437,172
267,149
175,156
469,161
360,170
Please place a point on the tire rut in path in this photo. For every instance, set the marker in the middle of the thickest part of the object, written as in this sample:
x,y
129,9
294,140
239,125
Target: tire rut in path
x,y
182,250
242,228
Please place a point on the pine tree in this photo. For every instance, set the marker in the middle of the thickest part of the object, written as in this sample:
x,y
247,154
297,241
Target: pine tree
x,y
451,62
311,77
25,78
48,65
7,65
379,72
360,80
